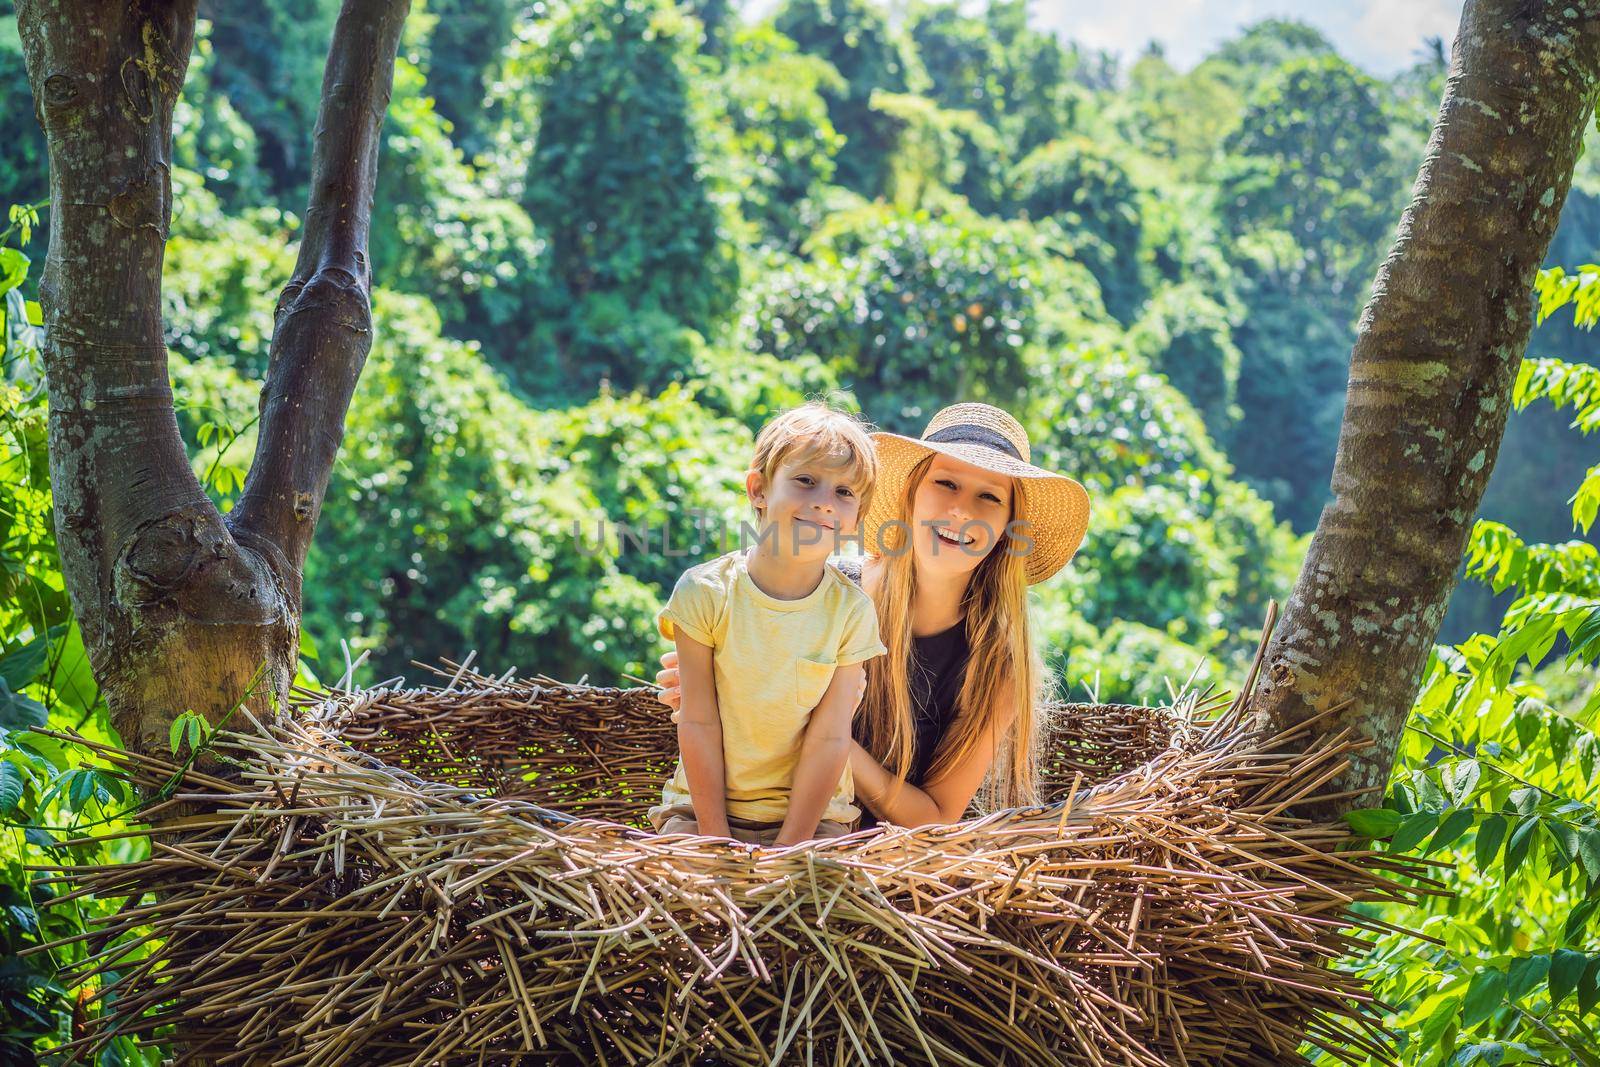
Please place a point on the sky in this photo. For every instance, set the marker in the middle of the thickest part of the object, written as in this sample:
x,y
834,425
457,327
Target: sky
x,y
1381,36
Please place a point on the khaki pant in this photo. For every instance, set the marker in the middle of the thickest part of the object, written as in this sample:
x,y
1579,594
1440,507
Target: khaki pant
x,y
681,820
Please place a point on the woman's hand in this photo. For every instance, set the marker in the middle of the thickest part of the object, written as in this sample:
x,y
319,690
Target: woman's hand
x,y
946,798
667,678
671,695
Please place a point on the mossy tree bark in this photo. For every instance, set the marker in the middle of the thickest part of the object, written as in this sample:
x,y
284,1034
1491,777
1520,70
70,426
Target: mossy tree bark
x,y
1431,375
181,607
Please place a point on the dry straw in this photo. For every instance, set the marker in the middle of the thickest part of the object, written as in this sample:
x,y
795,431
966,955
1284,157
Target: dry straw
x,y
448,874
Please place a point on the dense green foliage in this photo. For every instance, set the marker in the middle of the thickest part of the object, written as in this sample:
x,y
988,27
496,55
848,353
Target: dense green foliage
x,y
637,250
47,795
613,237
1497,778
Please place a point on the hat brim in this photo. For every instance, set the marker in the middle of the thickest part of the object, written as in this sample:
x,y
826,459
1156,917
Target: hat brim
x,y
1057,506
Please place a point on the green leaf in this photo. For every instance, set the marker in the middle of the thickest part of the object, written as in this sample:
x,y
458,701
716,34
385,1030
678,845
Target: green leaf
x,y
1578,920
1452,827
12,782
1373,822
1525,973
45,749
1491,1053
1589,986
1429,796
1413,830
36,836
1525,800
1491,834
1589,852
1564,842
1562,731
1586,636
23,664
1521,840
1400,800
112,786
18,712
1461,780
1484,995
13,268
1443,1015
81,789
1566,969
26,919
71,679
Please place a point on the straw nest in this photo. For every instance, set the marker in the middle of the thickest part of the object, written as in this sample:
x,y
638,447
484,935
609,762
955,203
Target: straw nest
x,y
453,874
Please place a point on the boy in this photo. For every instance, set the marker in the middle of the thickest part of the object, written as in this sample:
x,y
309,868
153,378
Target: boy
x,y
772,643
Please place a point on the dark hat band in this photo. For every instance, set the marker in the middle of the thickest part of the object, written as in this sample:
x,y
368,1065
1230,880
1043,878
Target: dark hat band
x,y
967,433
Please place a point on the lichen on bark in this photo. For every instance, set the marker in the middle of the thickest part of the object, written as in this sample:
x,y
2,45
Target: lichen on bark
x,y
1431,373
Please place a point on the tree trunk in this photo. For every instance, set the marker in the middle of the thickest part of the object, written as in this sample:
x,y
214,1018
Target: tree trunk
x,y
180,608
1431,377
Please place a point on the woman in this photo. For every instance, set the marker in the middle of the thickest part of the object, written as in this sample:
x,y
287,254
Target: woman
x,y
959,526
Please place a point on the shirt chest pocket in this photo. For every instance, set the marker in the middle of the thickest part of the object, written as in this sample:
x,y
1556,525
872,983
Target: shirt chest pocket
x,y
811,678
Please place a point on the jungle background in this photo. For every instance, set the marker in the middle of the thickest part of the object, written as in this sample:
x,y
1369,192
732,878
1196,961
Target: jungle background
x,y
613,237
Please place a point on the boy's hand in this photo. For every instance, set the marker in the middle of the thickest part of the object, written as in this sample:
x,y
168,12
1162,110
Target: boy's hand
x,y
824,754
772,848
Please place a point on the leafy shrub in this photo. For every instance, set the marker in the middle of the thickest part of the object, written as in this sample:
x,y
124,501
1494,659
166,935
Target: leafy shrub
x,y
1188,336
778,144
1090,196
855,38
637,250
1112,421
1496,777
914,311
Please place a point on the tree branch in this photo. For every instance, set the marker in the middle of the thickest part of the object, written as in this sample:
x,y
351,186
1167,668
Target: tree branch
x,y
180,610
323,328
105,76
174,613
137,533
1431,375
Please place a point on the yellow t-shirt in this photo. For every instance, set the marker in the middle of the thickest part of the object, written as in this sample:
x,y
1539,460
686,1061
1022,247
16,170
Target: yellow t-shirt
x,y
772,661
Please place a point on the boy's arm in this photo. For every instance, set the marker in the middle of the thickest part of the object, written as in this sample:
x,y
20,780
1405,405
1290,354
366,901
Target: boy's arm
x,y
824,750
700,737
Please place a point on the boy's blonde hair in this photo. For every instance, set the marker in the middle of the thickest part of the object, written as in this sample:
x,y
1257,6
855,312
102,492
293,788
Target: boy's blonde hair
x,y
816,432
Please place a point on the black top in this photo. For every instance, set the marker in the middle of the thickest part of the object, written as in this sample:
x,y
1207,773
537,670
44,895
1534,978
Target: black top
x,y
938,667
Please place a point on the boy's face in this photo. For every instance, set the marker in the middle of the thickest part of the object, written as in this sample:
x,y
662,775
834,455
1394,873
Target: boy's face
x,y
808,507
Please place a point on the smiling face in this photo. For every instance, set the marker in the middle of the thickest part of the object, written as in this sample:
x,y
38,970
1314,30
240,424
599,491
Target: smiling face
x,y
806,507
958,515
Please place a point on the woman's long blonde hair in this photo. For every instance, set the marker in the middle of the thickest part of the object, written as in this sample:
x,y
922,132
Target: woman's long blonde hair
x,y
995,608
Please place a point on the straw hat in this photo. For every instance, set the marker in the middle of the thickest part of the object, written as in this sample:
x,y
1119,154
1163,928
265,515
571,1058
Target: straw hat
x,y
985,436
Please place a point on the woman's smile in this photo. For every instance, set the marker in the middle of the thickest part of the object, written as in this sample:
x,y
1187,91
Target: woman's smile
x,y
947,535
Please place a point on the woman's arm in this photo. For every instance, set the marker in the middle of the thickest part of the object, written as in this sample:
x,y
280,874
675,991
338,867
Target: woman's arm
x,y
700,737
942,800
824,751
671,695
